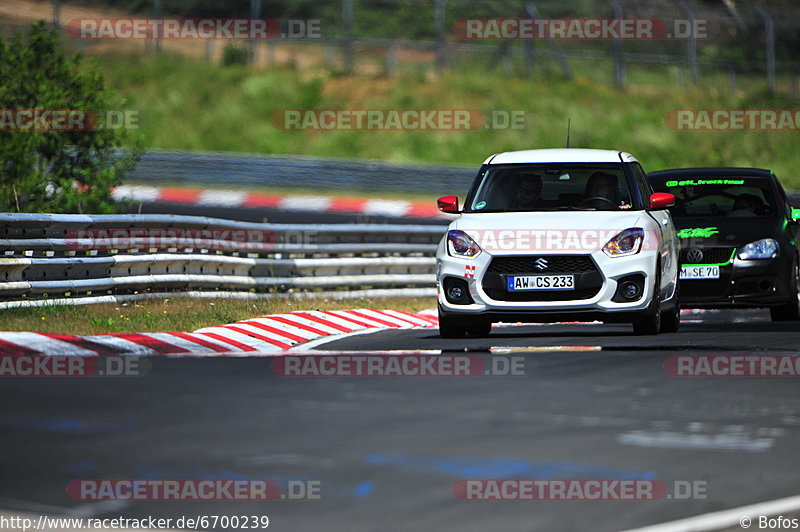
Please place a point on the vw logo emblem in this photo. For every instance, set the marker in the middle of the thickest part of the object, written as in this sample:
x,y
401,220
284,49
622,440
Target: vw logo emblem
x,y
540,264
694,256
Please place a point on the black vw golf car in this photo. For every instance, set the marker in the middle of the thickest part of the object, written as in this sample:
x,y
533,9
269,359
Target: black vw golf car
x,y
740,239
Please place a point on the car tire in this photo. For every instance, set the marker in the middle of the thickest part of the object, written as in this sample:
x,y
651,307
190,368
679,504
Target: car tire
x,y
671,320
450,327
480,330
649,321
790,311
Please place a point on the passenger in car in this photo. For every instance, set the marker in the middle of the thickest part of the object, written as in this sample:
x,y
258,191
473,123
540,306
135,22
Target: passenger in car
x,y
528,191
746,205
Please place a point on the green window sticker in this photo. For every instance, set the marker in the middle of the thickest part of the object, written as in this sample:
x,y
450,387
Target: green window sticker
x,y
480,205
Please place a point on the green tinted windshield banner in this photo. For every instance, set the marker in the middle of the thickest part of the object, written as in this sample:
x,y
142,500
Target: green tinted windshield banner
x,y
698,232
702,182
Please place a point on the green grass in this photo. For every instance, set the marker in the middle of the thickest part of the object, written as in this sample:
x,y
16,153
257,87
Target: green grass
x,y
176,314
196,105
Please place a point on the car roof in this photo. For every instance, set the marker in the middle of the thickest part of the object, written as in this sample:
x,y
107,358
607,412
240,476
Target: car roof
x,y
713,171
561,155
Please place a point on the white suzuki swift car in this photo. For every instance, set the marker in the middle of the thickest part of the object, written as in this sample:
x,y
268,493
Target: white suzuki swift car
x,y
558,235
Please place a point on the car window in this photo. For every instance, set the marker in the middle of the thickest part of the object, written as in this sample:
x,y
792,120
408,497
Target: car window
x,y
734,197
642,182
536,187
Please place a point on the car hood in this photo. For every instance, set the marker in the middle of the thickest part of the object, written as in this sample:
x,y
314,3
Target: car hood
x,y
725,232
547,232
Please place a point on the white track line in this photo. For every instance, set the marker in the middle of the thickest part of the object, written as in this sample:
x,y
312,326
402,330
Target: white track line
x,y
726,518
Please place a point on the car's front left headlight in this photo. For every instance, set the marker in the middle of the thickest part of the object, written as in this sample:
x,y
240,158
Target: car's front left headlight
x,y
766,248
460,244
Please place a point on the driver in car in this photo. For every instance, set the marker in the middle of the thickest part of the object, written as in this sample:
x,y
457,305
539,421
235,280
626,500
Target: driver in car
x,y
601,192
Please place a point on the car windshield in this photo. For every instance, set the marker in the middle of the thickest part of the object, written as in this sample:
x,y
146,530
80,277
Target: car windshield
x,y
545,187
732,197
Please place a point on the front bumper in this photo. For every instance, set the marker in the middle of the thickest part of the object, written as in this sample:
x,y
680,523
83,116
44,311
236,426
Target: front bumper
x,y
753,283
491,299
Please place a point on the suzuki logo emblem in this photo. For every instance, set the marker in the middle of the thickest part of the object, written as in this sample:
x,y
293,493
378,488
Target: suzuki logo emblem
x,y
694,256
540,264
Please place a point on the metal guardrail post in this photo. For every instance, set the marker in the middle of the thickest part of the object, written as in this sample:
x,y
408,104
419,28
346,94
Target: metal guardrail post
x,y
769,28
348,45
619,63
692,40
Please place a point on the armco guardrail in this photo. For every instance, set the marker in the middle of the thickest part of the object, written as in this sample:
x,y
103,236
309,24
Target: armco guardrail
x,y
80,259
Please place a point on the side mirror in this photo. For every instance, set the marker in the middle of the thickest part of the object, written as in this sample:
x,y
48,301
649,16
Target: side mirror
x,y
448,204
661,200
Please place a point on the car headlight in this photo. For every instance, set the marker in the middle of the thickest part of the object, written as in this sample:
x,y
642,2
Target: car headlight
x,y
766,248
627,242
460,244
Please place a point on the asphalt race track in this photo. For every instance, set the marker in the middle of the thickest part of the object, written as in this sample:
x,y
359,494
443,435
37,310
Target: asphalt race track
x,y
388,451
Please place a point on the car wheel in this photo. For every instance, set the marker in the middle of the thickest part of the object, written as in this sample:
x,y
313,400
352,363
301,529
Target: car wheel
x,y
649,322
450,327
481,329
790,311
671,320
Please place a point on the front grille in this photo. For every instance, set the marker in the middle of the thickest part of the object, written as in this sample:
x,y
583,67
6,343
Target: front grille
x,y
545,295
710,255
695,288
555,264
588,280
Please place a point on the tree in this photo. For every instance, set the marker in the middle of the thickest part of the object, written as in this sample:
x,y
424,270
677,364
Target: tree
x,y
53,168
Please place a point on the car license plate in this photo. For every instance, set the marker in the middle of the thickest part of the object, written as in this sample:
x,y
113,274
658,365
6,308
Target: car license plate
x,y
541,282
700,272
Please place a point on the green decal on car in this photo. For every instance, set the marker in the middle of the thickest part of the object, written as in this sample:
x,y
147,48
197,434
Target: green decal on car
x,y
480,205
795,214
698,232
702,182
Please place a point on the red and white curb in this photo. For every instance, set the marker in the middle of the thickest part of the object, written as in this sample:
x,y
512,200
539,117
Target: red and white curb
x,y
275,333
286,202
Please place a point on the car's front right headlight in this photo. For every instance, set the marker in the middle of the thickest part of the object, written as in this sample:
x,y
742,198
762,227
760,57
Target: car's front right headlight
x,y
766,248
460,244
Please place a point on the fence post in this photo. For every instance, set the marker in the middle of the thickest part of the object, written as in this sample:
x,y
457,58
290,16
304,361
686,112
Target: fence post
x,y
619,64
438,15
56,13
255,12
347,22
528,48
391,60
732,78
692,40
530,7
769,28
159,5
